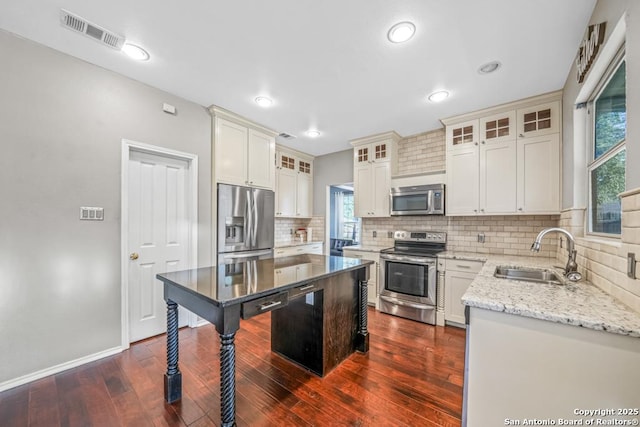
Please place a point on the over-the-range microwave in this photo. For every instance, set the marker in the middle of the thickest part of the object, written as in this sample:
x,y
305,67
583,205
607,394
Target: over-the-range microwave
x,y
418,200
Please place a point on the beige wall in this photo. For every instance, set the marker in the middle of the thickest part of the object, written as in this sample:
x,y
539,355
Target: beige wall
x,y
602,260
62,121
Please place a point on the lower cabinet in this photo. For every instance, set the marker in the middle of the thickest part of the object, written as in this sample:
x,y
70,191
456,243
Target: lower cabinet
x,y
309,248
372,288
458,276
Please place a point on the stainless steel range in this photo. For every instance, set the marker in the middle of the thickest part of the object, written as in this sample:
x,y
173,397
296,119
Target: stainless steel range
x,y
408,274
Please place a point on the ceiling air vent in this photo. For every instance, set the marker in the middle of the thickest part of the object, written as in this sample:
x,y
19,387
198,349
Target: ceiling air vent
x,y
99,34
284,135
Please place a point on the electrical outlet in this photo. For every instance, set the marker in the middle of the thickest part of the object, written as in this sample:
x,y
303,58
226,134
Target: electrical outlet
x,y
631,265
390,234
480,237
374,233
291,231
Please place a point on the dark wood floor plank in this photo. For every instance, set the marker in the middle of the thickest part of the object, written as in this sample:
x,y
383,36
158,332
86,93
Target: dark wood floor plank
x,y
411,376
43,403
14,406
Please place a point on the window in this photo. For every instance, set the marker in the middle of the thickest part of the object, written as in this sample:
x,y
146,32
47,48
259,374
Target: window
x,y
606,170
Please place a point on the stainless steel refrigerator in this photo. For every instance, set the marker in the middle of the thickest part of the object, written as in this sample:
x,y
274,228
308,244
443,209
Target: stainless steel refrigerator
x,y
245,223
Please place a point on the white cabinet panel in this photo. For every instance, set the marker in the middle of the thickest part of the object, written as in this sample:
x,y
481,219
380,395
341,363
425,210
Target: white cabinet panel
x,y
230,152
294,185
261,151
539,174
462,181
498,177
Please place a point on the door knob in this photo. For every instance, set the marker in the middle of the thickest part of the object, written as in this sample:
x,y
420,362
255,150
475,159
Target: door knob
x,y
133,256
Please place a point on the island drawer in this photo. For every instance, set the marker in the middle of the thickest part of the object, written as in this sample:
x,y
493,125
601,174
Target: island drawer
x,y
264,304
303,290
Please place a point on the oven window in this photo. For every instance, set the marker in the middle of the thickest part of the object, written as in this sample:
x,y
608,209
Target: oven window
x,y
409,279
416,202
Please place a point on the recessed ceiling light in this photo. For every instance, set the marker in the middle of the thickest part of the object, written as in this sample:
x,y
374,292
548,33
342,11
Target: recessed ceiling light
x,y
438,96
401,32
489,67
313,133
263,101
135,52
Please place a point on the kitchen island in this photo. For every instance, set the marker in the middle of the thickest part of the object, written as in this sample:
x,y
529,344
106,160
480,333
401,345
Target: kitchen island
x,y
318,305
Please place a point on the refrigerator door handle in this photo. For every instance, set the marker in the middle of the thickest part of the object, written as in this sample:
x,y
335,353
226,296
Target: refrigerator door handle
x,y
254,218
248,221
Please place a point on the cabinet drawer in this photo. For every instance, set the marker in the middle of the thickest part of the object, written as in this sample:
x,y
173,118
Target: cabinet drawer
x,y
463,265
303,290
264,304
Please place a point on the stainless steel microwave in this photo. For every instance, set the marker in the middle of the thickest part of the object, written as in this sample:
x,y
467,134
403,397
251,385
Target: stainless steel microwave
x,y
418,200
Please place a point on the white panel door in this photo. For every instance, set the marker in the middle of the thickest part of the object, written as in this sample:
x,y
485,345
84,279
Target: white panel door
x,y
158,237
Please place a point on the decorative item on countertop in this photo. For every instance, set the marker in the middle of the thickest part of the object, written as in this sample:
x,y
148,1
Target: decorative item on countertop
x,y
301,234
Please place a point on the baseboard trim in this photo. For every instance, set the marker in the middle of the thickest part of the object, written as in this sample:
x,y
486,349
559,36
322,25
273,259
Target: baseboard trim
x,y
6,385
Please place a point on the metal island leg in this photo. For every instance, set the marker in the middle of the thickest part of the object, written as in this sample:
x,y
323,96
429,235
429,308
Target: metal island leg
x,y
173,377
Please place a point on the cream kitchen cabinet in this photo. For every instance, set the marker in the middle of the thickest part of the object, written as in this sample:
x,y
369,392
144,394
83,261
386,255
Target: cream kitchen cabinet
x,y
458,276
294,185
243,151
372,174
372,285
299,249
505,161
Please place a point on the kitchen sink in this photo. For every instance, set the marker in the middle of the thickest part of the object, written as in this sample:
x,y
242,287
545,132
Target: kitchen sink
x,y
527,274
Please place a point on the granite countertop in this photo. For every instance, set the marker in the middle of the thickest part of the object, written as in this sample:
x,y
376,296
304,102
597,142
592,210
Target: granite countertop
x,y
295,243
228,284
579,304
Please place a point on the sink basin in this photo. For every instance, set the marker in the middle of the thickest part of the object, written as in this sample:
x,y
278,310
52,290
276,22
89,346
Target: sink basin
x,y
527,274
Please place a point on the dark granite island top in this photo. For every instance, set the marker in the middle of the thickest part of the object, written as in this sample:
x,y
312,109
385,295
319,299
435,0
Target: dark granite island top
x,y
318,305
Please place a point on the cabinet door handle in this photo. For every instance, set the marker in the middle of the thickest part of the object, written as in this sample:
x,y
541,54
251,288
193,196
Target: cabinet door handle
x,y
475,143
520,209
483,142
521,136
306,288
269,305
463,266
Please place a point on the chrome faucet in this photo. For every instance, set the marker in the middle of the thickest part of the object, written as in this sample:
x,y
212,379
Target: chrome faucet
x,y
571,269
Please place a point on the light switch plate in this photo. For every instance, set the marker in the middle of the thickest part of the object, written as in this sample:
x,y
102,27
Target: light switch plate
x,y
631,265
88,213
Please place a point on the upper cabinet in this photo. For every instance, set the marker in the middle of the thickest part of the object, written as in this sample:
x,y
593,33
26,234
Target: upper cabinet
x,y
243,151
539,120
372,174
505,160
294,184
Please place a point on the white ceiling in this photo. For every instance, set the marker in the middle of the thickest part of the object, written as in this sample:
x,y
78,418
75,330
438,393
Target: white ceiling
x,y
326,64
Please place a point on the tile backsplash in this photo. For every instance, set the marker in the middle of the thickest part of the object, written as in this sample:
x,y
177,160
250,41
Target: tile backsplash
x,y
504,235
603,261
421,153
285,228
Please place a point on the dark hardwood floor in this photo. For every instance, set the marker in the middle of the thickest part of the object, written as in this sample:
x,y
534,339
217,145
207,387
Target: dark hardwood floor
x,y
411,376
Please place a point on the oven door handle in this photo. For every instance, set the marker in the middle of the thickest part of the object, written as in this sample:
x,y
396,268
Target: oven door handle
x,y
404,258
407,304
